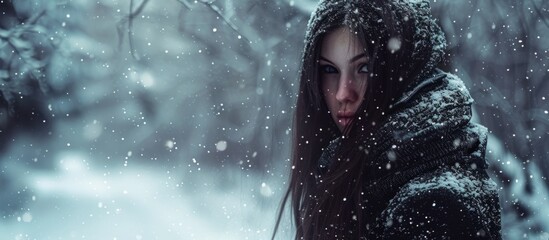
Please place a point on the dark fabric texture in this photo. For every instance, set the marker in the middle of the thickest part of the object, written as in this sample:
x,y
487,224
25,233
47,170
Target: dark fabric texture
x,y
428,41
426,173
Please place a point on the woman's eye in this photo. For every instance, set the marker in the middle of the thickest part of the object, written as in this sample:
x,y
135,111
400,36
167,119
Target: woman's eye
x,y
364,69
328,69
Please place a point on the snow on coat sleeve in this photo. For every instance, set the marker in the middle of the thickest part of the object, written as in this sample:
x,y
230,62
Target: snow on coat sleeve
x,y
435,214
450,203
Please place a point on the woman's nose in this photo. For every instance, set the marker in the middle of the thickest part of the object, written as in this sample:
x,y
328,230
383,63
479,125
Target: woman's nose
x,y
346,91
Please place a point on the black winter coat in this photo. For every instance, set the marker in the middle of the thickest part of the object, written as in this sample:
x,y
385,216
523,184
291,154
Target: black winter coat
x,y
428,179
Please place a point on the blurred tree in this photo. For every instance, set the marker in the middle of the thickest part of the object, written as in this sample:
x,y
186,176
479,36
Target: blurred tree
x,y
24,53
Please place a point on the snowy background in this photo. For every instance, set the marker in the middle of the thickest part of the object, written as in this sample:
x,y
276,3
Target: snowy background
x,y
149,119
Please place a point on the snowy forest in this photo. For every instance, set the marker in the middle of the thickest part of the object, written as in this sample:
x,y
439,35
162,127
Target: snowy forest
x,y
142,119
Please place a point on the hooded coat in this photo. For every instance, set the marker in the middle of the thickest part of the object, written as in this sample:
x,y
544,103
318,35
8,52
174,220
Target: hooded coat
x,y
427,178
426,174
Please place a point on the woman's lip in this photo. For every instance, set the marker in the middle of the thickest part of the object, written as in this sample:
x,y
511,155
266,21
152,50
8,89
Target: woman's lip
x,y
346,115
345,120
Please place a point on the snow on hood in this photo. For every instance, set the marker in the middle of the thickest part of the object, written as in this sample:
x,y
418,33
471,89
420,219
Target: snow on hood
x,y
428,40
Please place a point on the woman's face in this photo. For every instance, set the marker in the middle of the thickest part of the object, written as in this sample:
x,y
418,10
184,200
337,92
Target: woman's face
x,y
343,66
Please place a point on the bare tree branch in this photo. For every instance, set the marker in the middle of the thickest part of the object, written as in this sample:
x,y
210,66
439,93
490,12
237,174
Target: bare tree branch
x,y
129,20
218,12
185,3
542,18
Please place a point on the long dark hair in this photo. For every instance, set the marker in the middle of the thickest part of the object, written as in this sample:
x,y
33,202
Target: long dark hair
x,y
329,206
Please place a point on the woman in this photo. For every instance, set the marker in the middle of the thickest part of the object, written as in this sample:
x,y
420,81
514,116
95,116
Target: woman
x,y
383,144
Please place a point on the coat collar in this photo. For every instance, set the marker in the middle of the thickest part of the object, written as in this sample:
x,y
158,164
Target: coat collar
x,y
429,127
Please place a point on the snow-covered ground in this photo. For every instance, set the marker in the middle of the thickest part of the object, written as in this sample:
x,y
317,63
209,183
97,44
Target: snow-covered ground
x,y
81,199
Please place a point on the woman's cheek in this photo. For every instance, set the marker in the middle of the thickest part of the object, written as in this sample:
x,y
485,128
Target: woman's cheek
x,y
329,85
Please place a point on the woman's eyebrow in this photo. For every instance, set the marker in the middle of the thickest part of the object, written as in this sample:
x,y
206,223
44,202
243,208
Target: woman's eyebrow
x,y
359,56
353,59
325,59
